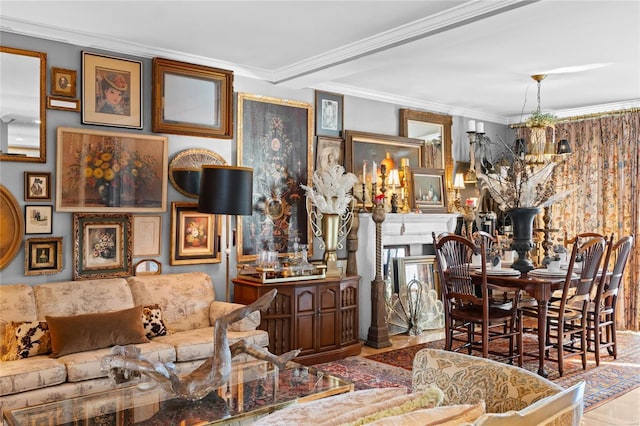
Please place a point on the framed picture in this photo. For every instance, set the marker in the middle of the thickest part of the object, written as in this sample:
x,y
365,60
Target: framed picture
x,y
42,256
195,237
274,138
106,171
329,114
37,186
146,235
329,151
111,91
207,91
63,104
363,149
38,219
102,245
63,82
428,191
421,268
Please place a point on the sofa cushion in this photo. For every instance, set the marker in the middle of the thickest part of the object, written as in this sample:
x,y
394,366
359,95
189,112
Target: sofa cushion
x,y
16,304
562,409
77,333
198,344
82,297
25,339
184,298
87,365
325,409
218,309
152,321
30,373
450,415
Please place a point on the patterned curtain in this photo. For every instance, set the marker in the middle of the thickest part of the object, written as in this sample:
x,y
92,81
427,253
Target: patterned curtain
x,y
604,169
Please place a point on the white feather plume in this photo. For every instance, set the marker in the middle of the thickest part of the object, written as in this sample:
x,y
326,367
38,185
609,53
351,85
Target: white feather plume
x,y
331,189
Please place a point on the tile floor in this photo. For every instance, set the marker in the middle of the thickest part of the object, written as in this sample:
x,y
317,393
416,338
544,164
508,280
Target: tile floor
x,y
622,411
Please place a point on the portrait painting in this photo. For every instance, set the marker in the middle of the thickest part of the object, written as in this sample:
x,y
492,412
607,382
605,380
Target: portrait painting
x,y
329,113
42,256
329,152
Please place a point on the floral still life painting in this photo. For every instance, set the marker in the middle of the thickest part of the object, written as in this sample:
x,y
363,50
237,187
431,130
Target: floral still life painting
x,y
113,170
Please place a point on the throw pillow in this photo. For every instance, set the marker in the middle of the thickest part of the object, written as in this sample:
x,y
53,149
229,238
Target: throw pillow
x,y
78,333
25,339
152,321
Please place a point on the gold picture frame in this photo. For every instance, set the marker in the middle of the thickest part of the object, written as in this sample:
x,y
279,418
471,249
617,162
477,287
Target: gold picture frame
x,y
99,171
42,256
207,91
63,82
111,91
275,139
195,236
102,245
428,191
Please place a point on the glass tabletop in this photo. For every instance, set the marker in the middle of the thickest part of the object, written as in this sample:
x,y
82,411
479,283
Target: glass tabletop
x,y
256,388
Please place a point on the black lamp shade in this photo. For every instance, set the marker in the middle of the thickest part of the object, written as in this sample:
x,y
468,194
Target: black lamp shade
x,y
226,190
564,147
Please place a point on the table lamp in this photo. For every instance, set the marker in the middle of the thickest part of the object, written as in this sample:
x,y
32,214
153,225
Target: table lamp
x,y
458,184
226,190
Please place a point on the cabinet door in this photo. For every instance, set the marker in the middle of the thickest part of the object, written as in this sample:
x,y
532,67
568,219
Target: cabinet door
x,y
349,311
306,318
328,314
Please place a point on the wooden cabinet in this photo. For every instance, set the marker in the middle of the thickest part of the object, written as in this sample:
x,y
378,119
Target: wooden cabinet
x,y
320,317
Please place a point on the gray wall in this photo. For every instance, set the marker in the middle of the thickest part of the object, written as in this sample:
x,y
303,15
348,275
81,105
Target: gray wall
x,y
360,114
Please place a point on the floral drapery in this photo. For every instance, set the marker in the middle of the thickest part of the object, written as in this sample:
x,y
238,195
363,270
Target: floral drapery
x,y
604,169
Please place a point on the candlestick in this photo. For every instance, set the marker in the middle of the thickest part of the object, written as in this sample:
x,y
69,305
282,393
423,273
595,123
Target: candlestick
x,y
364,171
480,127
364,197
374,173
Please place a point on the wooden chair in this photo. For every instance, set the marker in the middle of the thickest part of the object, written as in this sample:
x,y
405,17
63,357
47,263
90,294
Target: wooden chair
x,y
601,315
469,315
579,237
567,317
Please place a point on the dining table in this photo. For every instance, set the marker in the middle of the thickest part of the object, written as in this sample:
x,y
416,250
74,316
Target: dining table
x,y
541,289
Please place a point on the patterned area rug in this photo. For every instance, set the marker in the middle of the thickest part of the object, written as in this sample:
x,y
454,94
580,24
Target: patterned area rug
x,y
604,383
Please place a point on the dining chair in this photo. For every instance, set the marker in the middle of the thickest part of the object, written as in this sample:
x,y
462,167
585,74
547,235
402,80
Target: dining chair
x,y
601,314
567,317
579,237
469,317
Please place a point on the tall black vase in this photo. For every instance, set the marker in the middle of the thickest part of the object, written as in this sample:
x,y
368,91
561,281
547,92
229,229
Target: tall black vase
x,y
522,223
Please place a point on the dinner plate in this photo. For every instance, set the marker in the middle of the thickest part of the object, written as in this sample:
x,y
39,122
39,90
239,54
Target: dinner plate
x,y
577,267
503,272
548,274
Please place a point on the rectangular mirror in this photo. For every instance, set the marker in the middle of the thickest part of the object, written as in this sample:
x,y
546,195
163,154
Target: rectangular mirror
x,y
22,105
192,99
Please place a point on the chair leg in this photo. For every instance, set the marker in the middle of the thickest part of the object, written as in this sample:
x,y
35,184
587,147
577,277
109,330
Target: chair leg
x,y
613,349
583,341
596,337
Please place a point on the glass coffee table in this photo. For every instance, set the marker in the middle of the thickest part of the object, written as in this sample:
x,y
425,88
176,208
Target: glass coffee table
x,y
256,389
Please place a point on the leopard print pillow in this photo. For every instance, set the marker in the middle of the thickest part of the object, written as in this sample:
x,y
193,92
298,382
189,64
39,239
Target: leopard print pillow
x,y
152,321
25,339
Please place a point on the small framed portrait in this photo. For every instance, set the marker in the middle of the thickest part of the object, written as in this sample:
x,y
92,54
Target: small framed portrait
x,y
63,82
329,114
37,186
38,219
111,91
195,236
329,152
428,193
103,245
42,256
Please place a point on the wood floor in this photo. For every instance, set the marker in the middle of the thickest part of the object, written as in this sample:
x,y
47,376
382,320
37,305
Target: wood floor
x,y
622,411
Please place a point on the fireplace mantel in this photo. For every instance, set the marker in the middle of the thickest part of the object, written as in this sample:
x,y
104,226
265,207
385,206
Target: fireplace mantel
x,y
410,229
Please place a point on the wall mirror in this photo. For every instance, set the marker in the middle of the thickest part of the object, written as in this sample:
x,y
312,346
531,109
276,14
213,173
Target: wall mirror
x,y
192,99
185,169
22,105
435,131
148,267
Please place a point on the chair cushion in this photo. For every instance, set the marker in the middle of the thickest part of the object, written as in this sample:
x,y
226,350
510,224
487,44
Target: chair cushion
x,y
30,373
85,332
450,415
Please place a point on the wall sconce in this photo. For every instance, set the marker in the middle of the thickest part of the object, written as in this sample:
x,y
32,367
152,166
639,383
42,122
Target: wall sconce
x,y
564,147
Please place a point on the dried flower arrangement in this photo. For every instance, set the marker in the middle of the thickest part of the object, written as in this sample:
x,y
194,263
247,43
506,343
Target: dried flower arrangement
x,y
332,193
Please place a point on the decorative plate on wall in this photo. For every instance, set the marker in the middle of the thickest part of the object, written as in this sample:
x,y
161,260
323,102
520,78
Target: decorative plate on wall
x,y
11,227
185,169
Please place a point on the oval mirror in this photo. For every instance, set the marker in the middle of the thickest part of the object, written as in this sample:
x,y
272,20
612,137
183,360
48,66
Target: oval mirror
x,y
185,169
148,267
22,105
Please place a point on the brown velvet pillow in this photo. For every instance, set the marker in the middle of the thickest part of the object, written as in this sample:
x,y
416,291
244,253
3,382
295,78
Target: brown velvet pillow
x,y
85,332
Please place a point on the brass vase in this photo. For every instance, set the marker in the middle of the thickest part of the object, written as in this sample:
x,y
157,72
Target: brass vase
x,y
330,234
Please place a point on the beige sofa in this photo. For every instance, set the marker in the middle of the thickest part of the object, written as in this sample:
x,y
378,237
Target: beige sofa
x,y
187,304
449,388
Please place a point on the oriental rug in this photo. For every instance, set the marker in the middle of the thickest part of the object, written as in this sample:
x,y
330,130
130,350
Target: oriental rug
x,y
608,381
